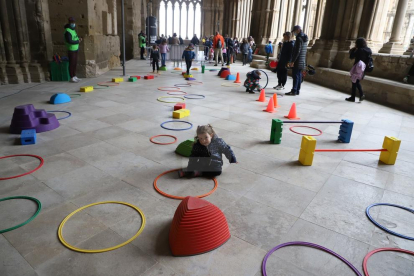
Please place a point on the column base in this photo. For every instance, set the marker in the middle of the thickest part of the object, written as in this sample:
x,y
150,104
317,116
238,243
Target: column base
x,y
36,72
14,74
392,48
24,67
410,50
3,75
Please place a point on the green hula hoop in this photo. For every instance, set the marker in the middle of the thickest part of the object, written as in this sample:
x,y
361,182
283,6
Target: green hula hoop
x,y
101,87
159,99
39,207
74,95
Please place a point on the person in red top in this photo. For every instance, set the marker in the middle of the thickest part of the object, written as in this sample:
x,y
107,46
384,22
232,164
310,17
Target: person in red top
x,y
218,45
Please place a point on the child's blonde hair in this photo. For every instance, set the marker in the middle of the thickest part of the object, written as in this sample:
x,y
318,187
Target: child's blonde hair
x,y
258,72
205,129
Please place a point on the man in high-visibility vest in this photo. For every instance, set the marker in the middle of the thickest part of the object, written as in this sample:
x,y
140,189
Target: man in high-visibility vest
x,y
72,44
142,43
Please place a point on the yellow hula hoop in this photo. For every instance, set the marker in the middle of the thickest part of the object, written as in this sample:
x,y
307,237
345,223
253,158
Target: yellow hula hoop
x,y
159,99
65,243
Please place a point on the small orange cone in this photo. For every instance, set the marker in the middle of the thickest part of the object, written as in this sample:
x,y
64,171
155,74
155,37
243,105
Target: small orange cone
x,y
237,78
292,113
262,97
270,107
275,100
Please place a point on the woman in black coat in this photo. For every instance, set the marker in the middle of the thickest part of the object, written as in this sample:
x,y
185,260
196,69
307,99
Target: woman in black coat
x,y
285,58
360,52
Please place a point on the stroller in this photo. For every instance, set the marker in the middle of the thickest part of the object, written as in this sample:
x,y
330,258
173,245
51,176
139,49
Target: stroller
x,y
309,70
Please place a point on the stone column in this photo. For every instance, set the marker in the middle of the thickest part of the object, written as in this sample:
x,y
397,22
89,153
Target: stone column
x,y
21,41
3,61
166,6
316,23
179,31
186,24
194,9
410,49
173,9
297,12
14,74
408,31
307,16
394,45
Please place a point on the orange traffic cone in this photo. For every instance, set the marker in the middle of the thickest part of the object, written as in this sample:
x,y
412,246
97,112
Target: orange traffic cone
x,y
292,113
275,100
270,107
262,97
237,78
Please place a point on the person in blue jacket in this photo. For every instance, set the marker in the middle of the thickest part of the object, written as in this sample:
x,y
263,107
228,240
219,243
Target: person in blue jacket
x,y
269,51
189,56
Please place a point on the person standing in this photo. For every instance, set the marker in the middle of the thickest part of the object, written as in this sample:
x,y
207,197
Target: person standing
x,y
163,50
236,49
207,46
195,40
155,56
142,45
285,57
180,39
229,48
298,61
244,49
72,44
362,53
269,51
218,45
175,40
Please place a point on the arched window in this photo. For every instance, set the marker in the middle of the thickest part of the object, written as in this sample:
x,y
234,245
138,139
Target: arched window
x,y
185,21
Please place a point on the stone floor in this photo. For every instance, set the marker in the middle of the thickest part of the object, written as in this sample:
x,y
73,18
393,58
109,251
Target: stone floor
x,y
103,153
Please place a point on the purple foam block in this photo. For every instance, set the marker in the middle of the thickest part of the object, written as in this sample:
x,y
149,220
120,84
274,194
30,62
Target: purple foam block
x,y
27,117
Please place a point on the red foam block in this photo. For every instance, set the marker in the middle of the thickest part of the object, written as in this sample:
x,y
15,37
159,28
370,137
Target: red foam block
x,y
179,106
149,77
198,227
138,77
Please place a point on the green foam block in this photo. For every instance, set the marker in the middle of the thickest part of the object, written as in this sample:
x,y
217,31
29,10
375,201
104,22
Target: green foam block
x,y
185,148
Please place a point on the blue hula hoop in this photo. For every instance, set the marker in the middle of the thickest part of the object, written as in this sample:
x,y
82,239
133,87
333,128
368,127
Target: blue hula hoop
x,y
69,114
384,228
177,129
202,97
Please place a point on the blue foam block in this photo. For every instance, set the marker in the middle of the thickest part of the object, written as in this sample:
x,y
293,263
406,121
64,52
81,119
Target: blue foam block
x,y
231,77
345,131
28,137
60,98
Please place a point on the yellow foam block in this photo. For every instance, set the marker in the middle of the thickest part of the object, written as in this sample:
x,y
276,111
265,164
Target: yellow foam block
x,y
392,145
86,89
117,79
307,150
181,113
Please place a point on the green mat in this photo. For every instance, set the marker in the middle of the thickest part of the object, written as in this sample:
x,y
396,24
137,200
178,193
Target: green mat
x,y
185,148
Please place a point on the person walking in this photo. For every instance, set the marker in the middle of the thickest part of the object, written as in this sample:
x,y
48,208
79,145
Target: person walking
x,y
285,57
72,44
298,61
245,49
142,44
218,45
362,54
229,48
189,56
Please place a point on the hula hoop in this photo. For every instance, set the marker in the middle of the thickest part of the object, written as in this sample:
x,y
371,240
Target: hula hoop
x,y
384,228
169,93
39,207
231,84
181,197
182,85
195,82
165,135
159,99
169,88
26,173
364,264
103,87
320,131
309,245
107,84
67,112
177,129
76,95
201,97
267,82
65,243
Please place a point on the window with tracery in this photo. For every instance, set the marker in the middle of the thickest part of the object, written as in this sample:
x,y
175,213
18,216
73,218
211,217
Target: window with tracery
x,y
182,17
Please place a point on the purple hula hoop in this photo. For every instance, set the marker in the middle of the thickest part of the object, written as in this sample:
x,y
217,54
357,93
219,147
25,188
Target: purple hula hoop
x,y
309,245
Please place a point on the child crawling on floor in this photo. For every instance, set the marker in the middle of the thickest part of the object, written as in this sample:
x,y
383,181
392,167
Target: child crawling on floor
x,y
252,81
206,155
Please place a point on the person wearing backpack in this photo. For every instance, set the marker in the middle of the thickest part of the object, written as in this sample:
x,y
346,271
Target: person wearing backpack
x,y
362,53
229,48
218,45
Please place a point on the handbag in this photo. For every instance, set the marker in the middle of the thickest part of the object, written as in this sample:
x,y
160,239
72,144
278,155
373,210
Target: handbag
x,y
370,65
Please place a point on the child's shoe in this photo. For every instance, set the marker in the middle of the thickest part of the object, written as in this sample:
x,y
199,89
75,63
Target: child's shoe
x,y
181,173
350,99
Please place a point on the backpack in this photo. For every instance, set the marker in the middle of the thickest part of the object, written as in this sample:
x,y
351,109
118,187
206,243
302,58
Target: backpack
x,y
370,65
219,45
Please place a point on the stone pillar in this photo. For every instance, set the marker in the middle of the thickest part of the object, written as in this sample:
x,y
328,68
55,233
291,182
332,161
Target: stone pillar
x,y
194,9
408,31
394,45
307,16
166,6
297,12
186,25
317,23
14,74
3,61
179,31
410,49
21,41
173,9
